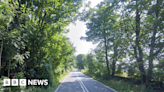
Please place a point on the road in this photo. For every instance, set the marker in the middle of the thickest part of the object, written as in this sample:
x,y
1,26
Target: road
x,y
76,81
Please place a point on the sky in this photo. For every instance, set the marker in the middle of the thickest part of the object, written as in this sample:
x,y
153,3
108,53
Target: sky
x,y
78,30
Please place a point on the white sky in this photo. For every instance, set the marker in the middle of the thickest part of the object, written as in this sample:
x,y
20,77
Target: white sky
x,y
78,30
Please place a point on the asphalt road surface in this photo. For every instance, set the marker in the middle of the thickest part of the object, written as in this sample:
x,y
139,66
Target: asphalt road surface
x,y
76,81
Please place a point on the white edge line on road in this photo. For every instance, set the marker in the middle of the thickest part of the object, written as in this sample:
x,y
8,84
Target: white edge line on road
x,y
61,83
102,84
82,83
79,82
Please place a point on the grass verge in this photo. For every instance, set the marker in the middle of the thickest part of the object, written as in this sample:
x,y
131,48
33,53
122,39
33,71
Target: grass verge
x,y
119,85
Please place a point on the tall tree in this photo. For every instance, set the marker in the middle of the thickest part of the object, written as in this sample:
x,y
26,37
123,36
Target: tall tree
x,y
156,34
80,61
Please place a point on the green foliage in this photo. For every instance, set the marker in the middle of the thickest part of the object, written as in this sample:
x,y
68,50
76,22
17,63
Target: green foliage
x,y
32,41
129,35
131,71
119,69
120,85
90,63
32,38
80,61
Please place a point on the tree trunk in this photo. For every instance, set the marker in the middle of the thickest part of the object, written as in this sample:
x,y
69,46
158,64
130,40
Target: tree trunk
x,y
114,60
106,53
152,46
139,55
9,68
142,71
1,57
151,57
113,67
150,69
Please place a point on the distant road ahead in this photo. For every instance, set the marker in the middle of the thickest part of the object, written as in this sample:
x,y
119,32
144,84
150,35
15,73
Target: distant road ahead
x,y
76,81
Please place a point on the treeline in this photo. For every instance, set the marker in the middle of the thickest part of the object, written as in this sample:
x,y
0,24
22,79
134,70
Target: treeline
x,y
130,37
32,41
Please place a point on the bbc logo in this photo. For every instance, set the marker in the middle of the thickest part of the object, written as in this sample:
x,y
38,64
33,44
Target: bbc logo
x,y
24,82
14,82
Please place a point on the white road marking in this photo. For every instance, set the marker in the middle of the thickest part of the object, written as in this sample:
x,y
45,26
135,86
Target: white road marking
x,y
84,86
61,83
81,83
102,84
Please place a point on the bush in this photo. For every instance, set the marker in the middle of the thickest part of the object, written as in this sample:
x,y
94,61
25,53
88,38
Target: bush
x,y
46,72
97,73
1,84
37,89
105,74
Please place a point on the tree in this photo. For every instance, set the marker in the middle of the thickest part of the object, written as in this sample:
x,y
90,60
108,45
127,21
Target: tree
x,y
97,27
156,43
32,37
80,61
90,63
146,37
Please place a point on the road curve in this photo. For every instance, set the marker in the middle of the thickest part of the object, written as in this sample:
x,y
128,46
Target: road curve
x,y
76,81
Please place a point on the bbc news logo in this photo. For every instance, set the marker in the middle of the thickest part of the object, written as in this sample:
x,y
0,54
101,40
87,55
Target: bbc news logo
x,y
24,82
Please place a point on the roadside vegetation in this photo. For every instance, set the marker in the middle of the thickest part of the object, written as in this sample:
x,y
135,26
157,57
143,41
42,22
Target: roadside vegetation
x,y
32,41
119,84
130,38
129,34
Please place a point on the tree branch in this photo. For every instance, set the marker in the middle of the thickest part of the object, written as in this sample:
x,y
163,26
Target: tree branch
x,y
159,50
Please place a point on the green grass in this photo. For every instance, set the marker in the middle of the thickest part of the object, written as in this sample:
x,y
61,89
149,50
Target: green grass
x,y
119,85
